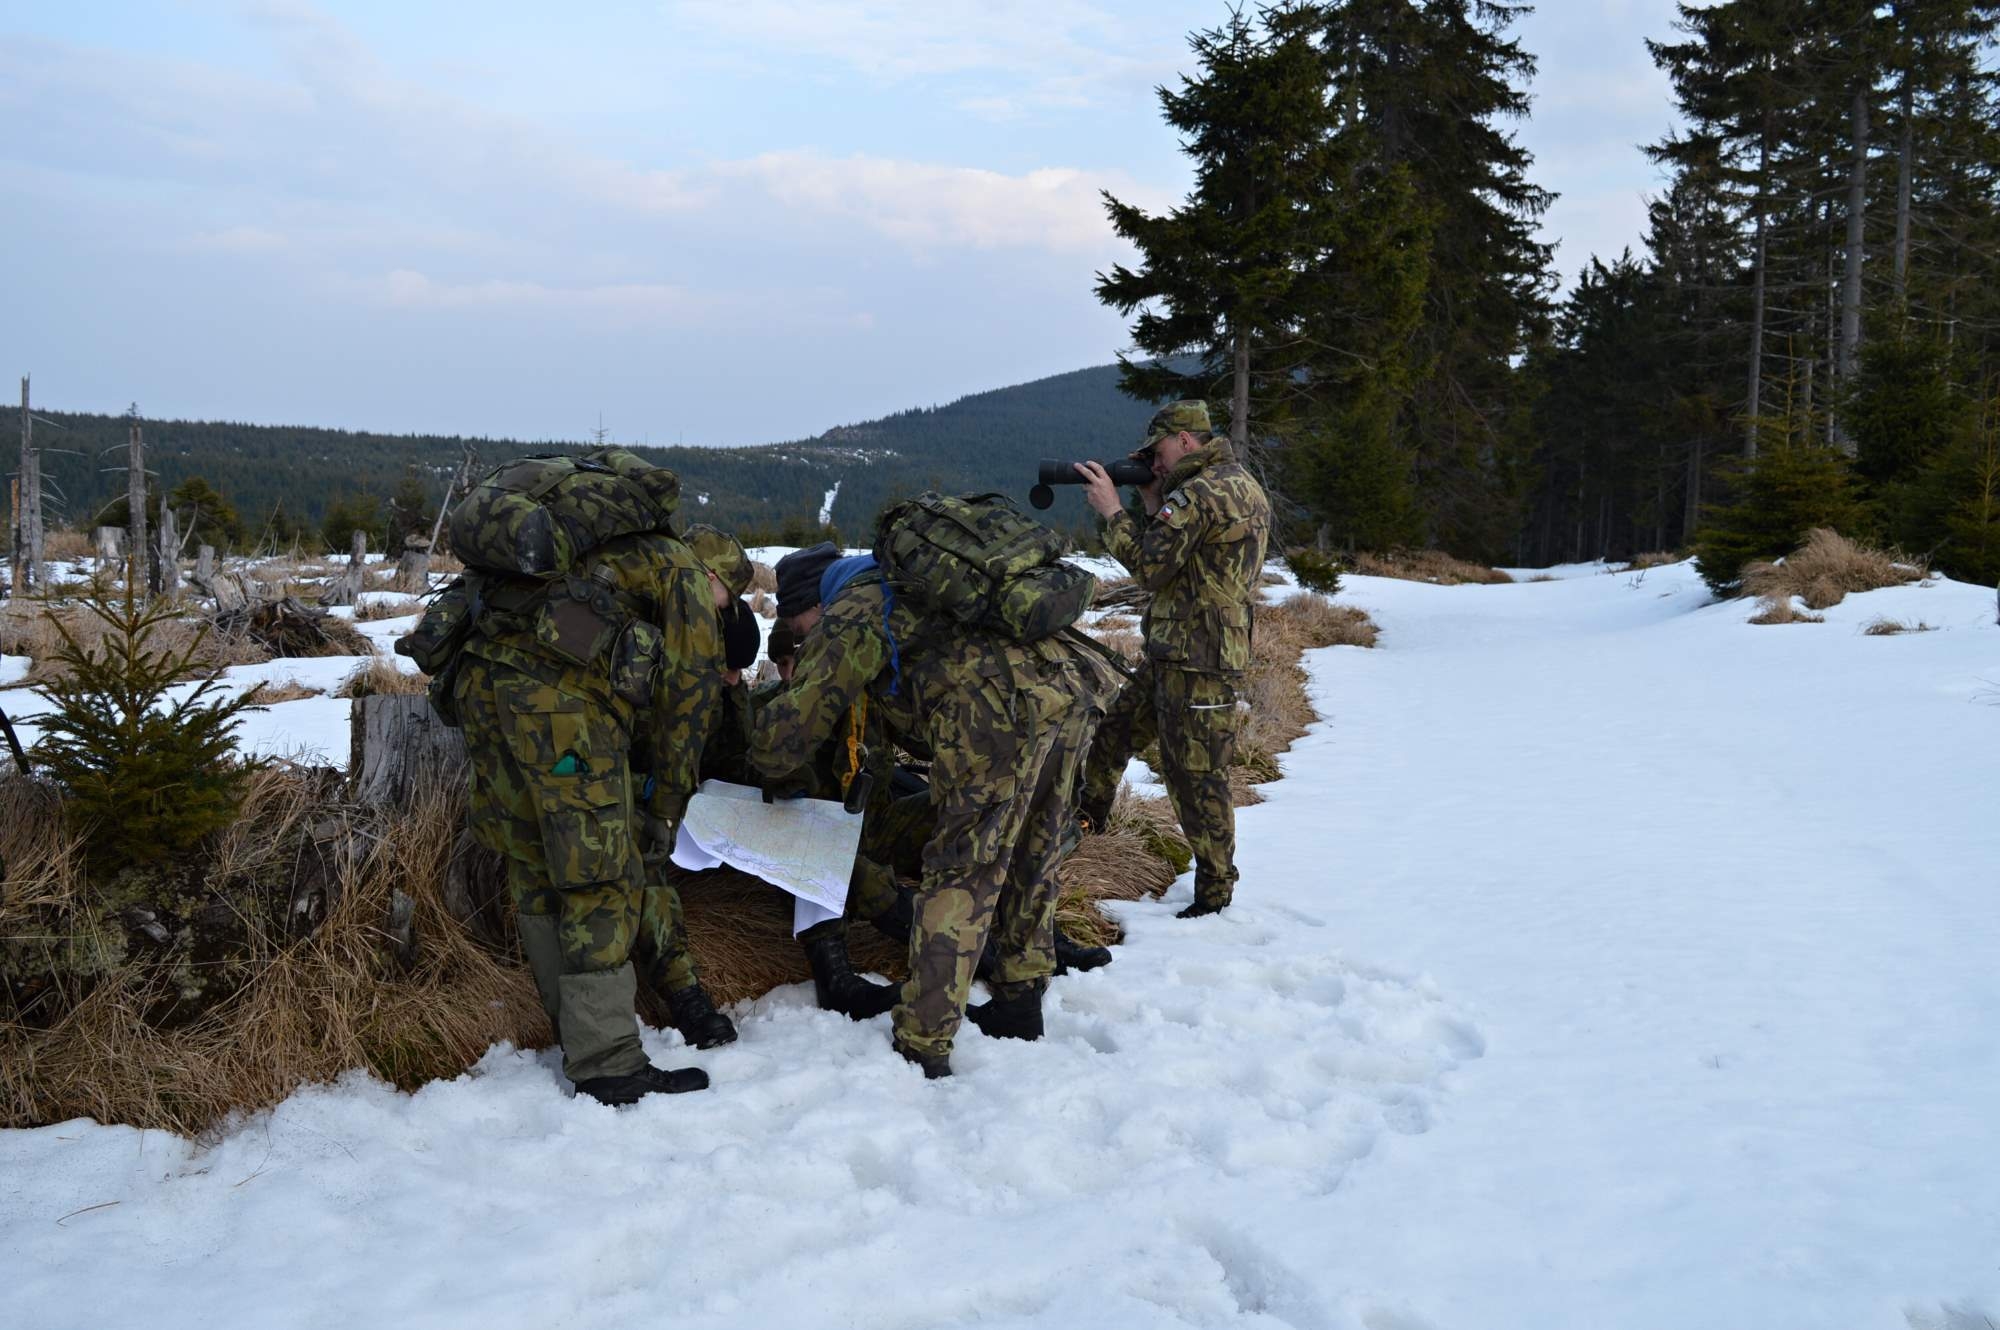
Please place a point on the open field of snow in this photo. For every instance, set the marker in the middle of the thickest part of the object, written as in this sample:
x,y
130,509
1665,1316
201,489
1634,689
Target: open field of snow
x,y
1601,961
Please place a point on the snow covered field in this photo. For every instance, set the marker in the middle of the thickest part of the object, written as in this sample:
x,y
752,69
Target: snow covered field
x,y
1601,961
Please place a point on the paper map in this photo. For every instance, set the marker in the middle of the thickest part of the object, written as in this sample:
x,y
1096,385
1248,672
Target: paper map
x,y
806,846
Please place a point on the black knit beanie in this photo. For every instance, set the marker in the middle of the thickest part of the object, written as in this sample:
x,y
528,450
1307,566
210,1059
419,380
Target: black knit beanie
x,y
798,577
741,635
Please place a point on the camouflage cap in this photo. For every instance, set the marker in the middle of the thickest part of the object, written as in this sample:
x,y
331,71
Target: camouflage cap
x,y
1174,417
721,555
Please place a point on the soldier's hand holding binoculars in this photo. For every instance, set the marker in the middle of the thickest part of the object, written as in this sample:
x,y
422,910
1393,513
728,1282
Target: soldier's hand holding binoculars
x,y
1098,491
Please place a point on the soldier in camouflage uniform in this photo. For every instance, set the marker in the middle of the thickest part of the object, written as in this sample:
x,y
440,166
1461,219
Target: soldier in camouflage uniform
x,y
1006,724
1199,551
661,949
556,787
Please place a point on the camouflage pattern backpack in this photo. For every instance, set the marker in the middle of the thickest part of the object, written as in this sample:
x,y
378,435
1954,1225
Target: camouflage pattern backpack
x,y
981,562
540,516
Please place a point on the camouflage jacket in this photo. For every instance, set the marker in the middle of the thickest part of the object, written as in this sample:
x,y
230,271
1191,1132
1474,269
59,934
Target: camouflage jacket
x,y
1200,556
661,676
962,696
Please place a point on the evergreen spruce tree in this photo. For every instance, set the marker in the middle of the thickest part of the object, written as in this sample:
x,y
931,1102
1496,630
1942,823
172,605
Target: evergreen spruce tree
x,y
1226,278
149,770
1433,85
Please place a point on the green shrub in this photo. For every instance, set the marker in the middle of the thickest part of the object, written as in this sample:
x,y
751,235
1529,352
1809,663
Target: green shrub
x,y
1314,570
1778,500
148,773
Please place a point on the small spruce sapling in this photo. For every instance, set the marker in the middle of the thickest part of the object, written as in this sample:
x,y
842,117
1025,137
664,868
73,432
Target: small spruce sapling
x,y
149,769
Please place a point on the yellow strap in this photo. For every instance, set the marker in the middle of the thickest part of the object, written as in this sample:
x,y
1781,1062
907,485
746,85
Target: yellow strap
x,y
857,721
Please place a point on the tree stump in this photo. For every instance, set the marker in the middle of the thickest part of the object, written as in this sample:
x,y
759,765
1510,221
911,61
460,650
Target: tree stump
x,y
413,571
110,548
226,589
346,588
399,749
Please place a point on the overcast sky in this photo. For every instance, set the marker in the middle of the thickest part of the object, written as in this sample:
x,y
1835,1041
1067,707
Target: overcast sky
x,y
713,221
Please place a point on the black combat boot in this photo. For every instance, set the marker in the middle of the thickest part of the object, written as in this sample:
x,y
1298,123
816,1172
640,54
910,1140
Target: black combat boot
x,y
934,1068
1200,908
896,922
1010,1018
620,1090
1074,955
695,1016
835,985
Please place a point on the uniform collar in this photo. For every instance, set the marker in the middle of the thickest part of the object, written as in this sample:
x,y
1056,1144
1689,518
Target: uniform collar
x,y
1213,453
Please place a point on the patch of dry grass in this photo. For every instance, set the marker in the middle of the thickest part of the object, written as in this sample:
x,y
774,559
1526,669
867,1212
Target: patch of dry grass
x,y
1785,611
273,691
763,578
378,676
1652,559
30,629
1887,627
68,545
1124,641
1825,570
311,1007
400,608
1428,566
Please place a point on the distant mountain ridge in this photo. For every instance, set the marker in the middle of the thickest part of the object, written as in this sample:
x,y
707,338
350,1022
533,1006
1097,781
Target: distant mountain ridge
x,y
987,441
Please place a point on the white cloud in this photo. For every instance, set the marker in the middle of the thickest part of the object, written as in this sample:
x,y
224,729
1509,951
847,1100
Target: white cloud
x,y
934,206
1052,52
633,301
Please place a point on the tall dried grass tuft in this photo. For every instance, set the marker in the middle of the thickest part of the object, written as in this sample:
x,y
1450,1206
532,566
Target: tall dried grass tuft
x,y
67,545
310,1008
400,607
379,676
1824,571
272,691
763,578
30,629
1652,559
1428,566
1887,627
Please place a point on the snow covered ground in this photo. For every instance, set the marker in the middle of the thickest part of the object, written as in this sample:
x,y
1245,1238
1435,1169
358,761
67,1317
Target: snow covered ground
x,y
1601,961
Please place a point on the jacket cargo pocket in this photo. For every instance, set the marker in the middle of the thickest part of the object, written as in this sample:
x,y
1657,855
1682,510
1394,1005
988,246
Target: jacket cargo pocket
x,y
547,725
586,830
1207,637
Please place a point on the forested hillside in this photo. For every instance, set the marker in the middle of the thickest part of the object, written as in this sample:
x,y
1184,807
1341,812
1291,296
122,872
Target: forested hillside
x,y
284,480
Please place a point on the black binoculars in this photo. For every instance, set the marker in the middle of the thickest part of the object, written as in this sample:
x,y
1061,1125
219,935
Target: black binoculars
x,y
1124,471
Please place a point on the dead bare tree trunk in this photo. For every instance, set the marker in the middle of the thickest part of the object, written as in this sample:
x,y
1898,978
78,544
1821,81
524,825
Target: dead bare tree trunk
x,y
135,517
30,567
110,547
167,559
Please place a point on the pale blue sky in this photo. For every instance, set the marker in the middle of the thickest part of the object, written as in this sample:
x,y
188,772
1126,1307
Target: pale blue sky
x,y
714,221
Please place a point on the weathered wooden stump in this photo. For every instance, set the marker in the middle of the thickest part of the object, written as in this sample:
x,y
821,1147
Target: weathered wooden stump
x,y
110,541
399,748
346,588
225,588
413,570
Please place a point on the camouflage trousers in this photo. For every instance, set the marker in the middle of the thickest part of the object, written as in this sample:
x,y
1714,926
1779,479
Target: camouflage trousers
x,y
551,790
1194,718
989,867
